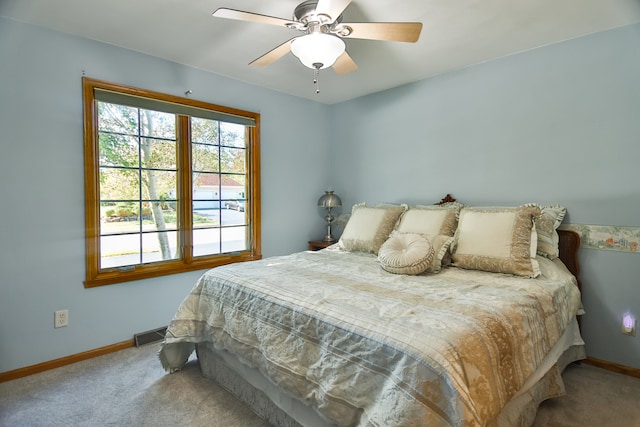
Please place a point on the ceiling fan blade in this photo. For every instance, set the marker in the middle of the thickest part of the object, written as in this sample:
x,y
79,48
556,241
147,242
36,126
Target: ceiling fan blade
x,y
273,55
250,17
392,31
344,64
332,8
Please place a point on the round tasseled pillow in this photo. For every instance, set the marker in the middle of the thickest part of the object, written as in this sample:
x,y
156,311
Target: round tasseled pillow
x,y
406,253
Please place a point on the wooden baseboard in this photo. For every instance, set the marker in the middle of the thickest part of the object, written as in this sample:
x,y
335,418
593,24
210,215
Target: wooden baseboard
x,y
63,361
614,367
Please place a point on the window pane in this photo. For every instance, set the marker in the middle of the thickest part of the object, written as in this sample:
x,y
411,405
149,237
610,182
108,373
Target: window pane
x,y
206,191
240,181
157,124
158,153
204,130
119,184
206,187
234,239
205,158
232,135
206,242
235,214
232,160
118,150
157,216
122,218
159,246
119,250
117,119
158,184
205,217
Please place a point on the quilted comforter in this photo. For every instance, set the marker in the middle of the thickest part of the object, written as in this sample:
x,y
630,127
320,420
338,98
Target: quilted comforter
x,y
366,347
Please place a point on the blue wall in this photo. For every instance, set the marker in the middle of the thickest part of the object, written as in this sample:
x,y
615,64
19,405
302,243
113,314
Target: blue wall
x,y
553,125
560,124
42,194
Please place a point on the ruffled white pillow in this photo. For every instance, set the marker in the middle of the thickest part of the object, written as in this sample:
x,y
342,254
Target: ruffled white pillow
x,y
369,227
406,253
497,239
430,220
546,225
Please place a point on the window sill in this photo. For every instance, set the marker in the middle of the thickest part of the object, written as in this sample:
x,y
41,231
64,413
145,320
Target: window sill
x,y
148,271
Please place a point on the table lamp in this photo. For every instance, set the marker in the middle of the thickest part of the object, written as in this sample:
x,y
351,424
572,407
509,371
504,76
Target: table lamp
x,y
329,201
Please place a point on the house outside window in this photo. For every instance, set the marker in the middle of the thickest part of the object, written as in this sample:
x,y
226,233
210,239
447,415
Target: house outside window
x,y
171,184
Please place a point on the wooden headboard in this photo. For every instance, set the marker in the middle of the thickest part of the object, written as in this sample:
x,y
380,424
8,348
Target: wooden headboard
x,y
568,245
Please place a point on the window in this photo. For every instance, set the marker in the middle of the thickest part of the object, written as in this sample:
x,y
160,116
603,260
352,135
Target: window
x,y
171,184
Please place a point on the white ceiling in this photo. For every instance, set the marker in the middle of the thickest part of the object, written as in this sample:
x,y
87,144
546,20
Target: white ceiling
x,y
456,33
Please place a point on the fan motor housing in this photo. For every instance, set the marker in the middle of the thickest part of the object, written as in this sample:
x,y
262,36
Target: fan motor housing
x,y
305,12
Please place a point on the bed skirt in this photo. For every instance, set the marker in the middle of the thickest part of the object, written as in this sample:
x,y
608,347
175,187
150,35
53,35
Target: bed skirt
x,y
278,409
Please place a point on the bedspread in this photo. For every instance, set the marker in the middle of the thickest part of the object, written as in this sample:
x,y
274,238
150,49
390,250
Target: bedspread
x,y
366,347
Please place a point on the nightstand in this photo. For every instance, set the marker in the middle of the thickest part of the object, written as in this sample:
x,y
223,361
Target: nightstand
x,y
316,245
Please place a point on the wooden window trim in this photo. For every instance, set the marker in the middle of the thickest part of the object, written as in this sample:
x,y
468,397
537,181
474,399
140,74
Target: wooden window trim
x,y
95,276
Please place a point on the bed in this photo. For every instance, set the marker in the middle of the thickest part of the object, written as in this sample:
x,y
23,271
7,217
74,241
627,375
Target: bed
x,y
440,315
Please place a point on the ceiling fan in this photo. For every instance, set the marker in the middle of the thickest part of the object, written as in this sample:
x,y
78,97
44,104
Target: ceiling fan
x,y
321,46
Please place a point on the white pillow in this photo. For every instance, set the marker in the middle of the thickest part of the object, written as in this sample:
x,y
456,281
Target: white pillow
x,y
430,220
501,240
406,254
369,227
546,225
441,256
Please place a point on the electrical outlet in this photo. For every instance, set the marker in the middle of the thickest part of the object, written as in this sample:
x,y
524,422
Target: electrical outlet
x,y
61,318
629,325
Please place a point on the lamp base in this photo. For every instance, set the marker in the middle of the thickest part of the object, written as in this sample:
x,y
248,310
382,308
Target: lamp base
x,y
329,238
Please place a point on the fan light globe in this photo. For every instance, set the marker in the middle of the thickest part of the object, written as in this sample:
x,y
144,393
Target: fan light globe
x,y
318,48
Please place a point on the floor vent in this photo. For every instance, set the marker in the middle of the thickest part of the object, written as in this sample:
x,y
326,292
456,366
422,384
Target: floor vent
x,y
150,336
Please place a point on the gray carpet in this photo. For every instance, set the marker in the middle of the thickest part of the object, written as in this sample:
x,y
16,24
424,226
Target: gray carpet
x,y
129,388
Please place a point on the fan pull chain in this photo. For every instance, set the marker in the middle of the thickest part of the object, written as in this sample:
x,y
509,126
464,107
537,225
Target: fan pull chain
x,y
316,75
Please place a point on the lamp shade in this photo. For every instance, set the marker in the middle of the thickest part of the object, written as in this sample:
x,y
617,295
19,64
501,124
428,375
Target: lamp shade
x,y
318,48
329,200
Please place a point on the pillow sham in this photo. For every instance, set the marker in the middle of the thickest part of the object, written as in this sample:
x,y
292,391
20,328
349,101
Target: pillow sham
x,y
369,227
546,225
406,253
500,240
430,220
